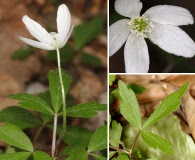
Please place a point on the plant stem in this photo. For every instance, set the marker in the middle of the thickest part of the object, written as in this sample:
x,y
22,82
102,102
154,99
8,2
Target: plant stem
x,y
38,133
119,150
133,144
63,103
54,135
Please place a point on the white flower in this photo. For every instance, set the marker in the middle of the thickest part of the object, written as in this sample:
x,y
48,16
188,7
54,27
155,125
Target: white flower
x,y
159,24
50,41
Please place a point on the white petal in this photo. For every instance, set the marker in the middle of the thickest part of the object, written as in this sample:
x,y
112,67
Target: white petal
x,y
63,22
118,33
37,30
173,40
136,55
128,8
37,44
66,39
172,15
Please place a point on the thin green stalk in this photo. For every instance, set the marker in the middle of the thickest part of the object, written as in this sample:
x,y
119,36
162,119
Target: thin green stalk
x,y
63,103
54,135
38,133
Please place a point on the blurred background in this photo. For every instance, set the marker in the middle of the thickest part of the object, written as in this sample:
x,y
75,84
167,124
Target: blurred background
x,y
160,61
25,69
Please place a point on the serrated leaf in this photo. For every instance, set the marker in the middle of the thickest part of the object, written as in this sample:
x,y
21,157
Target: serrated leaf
x,y
129,107
157,142
168,105
71,149
115,134
98,157
15,156
39,155
98,140
170,129
32,102
22,54
19,117
55,87
81,155
112,153
76,135
12,135
85,110
66,53
112,78
90,59
87,31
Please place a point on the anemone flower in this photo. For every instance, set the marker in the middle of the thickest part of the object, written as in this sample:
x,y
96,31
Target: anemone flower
x,y
159,24
53,40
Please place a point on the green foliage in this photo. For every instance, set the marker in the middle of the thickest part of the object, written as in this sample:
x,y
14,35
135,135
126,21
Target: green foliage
x,y
129,107
32,102
115,133
112,78
90,59
156,142
169,104
19,117
22,54
98,157
122,156
39,155
87,31
81,155
12,135
15,156
137,89
55,88
85,110
170,129
66,54
98,140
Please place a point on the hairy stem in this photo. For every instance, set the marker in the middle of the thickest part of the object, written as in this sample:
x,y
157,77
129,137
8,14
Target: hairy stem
x,y
119,150
133,144
54,135
63,103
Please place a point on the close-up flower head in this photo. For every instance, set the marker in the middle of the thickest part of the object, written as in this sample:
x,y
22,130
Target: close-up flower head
x,y
160,24
53,40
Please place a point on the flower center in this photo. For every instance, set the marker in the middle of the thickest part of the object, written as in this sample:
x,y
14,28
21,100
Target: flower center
x,y
140,26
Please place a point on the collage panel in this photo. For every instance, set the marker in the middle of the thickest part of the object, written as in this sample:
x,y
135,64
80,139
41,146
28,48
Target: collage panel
x,y
155,36
53,80
151,116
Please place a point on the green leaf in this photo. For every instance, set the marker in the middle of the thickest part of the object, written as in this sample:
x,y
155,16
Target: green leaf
x,y
22,54
87,31
32,102
90,59
112,78
122,156
112,153
98,157
76,135
168,105
86,110
157,142
129,107
14,136
71,149
39,155
81,155
19,117
15,156
115,134
55,88
66,54
98,140
137,89
168,128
